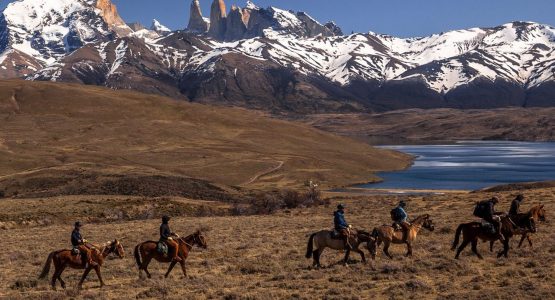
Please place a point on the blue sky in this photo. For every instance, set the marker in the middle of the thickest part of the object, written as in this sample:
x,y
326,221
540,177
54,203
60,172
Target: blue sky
x,y
404,18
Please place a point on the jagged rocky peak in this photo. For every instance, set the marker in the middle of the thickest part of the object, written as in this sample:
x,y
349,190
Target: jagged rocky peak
x,y
235,25
218,20
252,21
159,28
112,18
197,23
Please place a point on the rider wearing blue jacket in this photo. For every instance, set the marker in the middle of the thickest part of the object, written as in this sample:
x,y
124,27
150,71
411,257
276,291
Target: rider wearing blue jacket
x,y
341,225
400,218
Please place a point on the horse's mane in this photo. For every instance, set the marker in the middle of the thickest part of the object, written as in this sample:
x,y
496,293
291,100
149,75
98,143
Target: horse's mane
x,y
421,217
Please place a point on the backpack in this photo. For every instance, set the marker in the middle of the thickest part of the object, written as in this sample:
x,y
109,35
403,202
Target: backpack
x,y
162,248
481,209
396,214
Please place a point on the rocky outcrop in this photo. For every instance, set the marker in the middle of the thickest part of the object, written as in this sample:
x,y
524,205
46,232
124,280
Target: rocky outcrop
x,y
235,26
334,28
218,20
136,26
197,23
112,18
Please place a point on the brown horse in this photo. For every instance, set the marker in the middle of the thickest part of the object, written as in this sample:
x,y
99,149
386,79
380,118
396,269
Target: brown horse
x,y
147,251
474,230
323,239
387,235
537,213
65,258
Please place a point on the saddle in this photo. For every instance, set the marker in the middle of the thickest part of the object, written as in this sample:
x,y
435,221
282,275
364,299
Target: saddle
x,y
162,248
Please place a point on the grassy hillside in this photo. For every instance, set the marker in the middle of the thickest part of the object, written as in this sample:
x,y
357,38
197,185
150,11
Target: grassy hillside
x,y
70,135
262,257
418,126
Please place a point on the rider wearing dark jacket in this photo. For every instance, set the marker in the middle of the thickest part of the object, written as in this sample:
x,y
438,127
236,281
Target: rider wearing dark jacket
x,y
515,205
166,236
491,217
79,245
341,225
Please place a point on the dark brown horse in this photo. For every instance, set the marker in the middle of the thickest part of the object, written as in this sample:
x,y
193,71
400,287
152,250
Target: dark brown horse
x,y
65,258
536,213
474,231
147,251
323,239
387,235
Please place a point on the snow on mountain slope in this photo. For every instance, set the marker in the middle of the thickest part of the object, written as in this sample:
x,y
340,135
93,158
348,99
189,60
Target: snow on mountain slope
x,y
48,30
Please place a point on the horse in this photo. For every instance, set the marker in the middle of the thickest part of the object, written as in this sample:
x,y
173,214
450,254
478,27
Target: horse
x,y
147,251
387,235
474,230
323,239
537,213
65,258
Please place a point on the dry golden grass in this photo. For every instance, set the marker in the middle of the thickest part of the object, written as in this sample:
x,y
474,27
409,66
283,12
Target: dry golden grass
x,y
262,257
73,128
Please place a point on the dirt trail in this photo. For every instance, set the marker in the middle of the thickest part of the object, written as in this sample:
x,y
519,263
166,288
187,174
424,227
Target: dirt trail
x,y
264,173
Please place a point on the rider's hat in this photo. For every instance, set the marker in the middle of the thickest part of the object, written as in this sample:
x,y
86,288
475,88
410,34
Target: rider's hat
x,y
402,203
520,197
165,219
495,199
340,206
78,224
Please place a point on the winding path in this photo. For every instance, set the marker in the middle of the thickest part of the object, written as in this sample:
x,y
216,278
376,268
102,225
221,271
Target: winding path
x,y
264,173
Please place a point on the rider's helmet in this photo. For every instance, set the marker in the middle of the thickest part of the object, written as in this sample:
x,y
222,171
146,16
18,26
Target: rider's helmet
x,y
341,207
78,224
402,204
495,199
520,197
165,219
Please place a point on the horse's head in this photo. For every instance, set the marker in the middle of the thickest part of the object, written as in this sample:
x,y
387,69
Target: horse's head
x,y
541,213
117,248
199,240
428,223
372,247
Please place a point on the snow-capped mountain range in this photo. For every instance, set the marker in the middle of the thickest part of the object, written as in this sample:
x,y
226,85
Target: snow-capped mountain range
x,y
273,59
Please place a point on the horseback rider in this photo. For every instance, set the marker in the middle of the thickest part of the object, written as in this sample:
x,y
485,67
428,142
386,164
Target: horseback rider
x,y
488,214
79,245
400,218
515,205
341,226
166,236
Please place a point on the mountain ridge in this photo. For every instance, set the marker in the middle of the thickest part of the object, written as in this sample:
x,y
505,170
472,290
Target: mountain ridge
x,y
283,61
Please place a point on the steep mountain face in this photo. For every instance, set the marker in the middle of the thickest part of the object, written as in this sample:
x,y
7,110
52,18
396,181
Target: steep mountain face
x,y
43,32
273,59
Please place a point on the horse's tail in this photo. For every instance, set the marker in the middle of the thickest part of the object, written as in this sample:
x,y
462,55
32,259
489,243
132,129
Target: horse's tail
x,y
457,235
310,246
46,268
137,255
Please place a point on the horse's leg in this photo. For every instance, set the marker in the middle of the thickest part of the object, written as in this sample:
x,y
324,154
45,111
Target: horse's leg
x,y
409,250
386,245
461,248
317,257
475,248
55,276
99,275
346,259
529,240
491,245
172,264
145,264
62,282
85,274
505,251
183,268
361,255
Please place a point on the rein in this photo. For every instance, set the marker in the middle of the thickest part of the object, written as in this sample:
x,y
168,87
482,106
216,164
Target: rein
x,y
185,241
